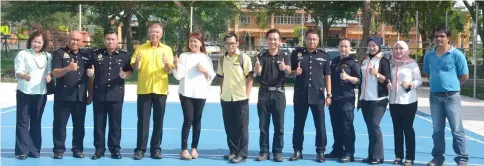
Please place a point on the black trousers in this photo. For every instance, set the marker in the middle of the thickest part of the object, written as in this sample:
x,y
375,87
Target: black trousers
x,y
402,117
373,113
300,115
62,111
145,102
102,111
28,135
192,115
271,103
236,123
342,114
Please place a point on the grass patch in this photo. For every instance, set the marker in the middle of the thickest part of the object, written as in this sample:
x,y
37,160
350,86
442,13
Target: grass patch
x,y
468,91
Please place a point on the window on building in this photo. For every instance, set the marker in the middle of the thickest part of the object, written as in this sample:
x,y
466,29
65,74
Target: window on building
x,y
244,19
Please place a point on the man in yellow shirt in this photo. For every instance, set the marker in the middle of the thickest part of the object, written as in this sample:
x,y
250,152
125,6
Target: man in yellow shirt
x,y
153,61
235,69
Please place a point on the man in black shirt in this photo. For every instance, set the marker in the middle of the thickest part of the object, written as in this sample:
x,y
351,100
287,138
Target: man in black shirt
x,y
272,66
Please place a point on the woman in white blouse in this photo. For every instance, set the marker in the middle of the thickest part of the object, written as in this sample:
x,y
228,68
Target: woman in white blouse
x,y
32,70
403,101
373,98
195,71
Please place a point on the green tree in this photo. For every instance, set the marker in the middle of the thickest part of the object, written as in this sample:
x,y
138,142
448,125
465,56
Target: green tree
x,y
480,24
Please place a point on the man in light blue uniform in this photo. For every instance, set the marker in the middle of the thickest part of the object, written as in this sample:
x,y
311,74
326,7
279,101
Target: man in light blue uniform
x,y
446,68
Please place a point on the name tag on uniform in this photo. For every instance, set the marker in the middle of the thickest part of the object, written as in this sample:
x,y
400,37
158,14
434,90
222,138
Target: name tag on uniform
x,y
85,58
320,59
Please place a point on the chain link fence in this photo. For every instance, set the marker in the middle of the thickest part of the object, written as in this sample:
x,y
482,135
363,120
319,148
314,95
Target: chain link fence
x,y
132,20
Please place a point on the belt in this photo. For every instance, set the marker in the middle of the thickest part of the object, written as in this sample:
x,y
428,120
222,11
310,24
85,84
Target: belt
x,y
444,93
272,88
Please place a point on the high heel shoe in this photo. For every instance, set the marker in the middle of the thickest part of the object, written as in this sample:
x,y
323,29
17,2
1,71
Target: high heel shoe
x,y
397,161
408,163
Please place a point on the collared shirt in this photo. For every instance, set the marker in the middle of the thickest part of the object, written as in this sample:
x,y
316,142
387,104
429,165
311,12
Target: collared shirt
x,y
344,89
271,75
38,66
369,83
193,83
71,86
152,77
410,73
309,86
445,70
234,77
108,85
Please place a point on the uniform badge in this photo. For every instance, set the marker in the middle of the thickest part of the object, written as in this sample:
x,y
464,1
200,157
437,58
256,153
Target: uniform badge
x,y
66,55
299,55
99,57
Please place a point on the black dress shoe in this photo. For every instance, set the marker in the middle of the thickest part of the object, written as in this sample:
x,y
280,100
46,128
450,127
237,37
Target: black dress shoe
x,y
229,157
238,159
297,155
278,157
97,156
262,157
34,155
138,155
375,161
58,156
22,157
347,158
78,155
332,156
366,160
321,158
156,155
116,155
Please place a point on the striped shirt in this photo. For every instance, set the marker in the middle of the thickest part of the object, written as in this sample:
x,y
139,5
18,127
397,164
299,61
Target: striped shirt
x,y
38,66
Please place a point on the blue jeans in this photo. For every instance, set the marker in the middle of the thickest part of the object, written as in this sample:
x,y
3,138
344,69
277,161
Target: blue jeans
x,y
442,106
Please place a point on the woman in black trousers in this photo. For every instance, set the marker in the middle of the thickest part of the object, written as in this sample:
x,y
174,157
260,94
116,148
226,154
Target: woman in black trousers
x,y
375,71
195,71
32,70
403,101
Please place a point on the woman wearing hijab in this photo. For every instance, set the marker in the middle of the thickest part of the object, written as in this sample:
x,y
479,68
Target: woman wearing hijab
x,y
373,98
405,75
32,70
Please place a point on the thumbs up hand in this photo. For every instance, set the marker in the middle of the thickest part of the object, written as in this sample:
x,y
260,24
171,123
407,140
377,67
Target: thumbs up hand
x,y
72,66
298,70
48,78
282,65
258,67
343,75
405,85
374,70
27,76
90,72
122,74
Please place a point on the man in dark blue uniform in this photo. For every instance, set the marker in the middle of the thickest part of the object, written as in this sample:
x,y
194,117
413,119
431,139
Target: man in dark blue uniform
x,y
311,66
110,68
69,67
272,66
345,72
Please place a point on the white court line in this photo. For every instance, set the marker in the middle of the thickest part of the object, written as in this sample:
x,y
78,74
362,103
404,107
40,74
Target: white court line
x,y
468,137
222,130
7,111
221,156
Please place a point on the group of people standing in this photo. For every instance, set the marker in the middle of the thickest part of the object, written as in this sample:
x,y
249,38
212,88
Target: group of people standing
x,y
83,76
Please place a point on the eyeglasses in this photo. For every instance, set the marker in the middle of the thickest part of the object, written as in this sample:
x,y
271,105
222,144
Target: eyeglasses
x,y
440,36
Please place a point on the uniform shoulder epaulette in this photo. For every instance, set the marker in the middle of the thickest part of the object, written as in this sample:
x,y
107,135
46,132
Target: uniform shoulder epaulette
x,y
299,48
321,50
123,50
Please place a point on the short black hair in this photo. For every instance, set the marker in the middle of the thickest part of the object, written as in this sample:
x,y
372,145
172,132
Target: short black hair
x,y
443,28
110,31
229,35
273,31
312,31
347,39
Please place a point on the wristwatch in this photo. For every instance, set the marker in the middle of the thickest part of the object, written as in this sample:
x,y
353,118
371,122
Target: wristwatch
x,y
329,95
